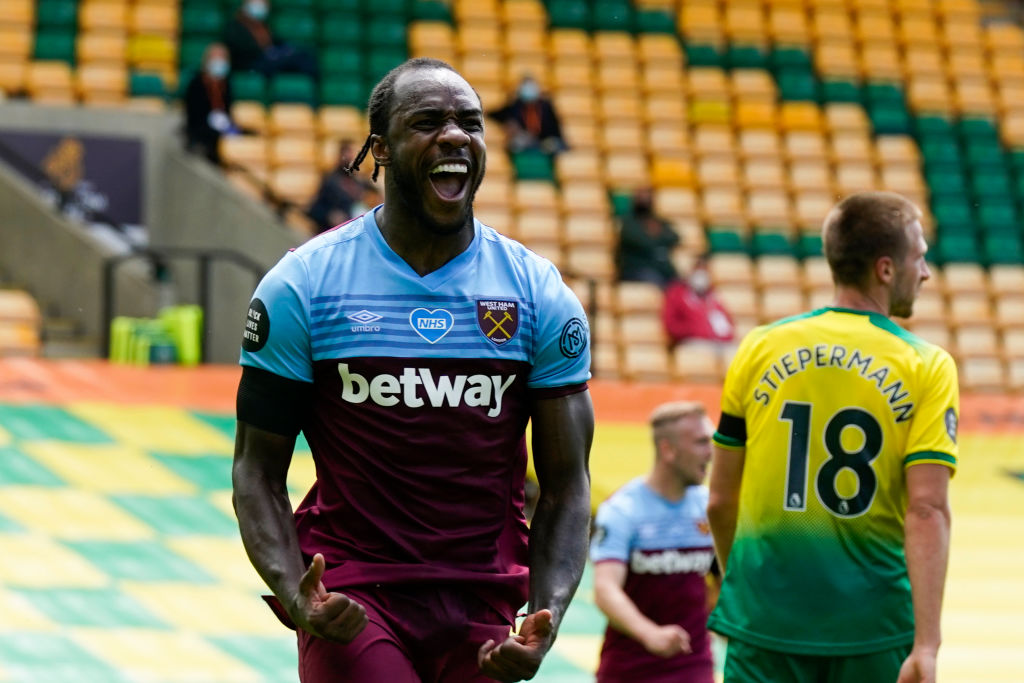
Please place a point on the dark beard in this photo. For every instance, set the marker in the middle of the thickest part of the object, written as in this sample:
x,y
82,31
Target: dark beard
x,y
408,192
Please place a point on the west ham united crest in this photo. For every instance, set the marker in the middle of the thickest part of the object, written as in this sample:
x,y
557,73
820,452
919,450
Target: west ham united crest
x,y
498,320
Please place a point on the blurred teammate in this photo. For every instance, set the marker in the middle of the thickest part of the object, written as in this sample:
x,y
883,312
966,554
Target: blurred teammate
x,y
837,440
411,346
651,552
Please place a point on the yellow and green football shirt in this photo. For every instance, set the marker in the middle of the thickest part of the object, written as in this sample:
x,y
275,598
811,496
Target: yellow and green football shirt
x,y
830,407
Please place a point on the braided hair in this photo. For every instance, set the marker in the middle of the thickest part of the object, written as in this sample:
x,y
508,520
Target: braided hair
x,y
380,105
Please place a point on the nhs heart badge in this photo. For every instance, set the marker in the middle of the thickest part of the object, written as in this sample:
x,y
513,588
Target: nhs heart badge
x,y
431,325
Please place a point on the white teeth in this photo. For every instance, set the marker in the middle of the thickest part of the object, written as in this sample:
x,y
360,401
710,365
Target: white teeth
x,y
450,168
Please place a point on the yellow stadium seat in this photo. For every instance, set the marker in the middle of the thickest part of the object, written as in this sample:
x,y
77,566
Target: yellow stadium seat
x,y
700,21
671,172
710,112
638,297
875,25
588,229
852,147
969,308
658,48
788,25
341,122
15,43
801,144
663,79
855,177
959,34
622,135
881,61
745,23
525,41
975,341
713,171
615,46
569,45
477,11
293,151
780,302
641,327
930,307
291,119
749,114
897,150
1013,342
578,165
841,117
154,18
759,143
51,82
575,104
591,261
769,208
534,64
17,15
102,47
483,69
831,24
626,170
529,13
12,75
669,140
731,269
698,362
295,184
676,203
917,30
816,274
810,209
800,116
614,104
811,176
837,59
974,98
618,77
535,227
576,76
905,180
246,151
1005,279
764,173
646,363
431,34
714,139
723,206
103,15
493,194
101,83
752,84
534,194
605,363
778,271
250,116
740,299
584,197
667,108
581,134
1015,374
964,278
936,332
982,375
925,59
1004,37
708,83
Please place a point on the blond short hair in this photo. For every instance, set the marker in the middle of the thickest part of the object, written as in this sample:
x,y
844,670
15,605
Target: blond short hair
x,y
675,410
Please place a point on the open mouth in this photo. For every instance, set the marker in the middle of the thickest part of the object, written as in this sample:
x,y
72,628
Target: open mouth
x,y
449,179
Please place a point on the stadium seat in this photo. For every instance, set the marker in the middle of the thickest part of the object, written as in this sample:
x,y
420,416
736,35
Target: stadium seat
x,y
697,362
982,375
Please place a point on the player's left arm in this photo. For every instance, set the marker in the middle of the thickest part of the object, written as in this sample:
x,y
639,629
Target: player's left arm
x,y
926,546
563,429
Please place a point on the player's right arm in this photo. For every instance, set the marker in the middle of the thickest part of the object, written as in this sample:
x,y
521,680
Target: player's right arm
x,y
724,499
663,640
273,402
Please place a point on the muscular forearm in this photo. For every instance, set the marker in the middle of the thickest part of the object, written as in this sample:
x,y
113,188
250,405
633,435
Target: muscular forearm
x,y
558,547
722,520
927,551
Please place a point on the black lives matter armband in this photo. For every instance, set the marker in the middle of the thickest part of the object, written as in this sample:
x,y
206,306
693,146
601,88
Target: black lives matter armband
x,y
271,402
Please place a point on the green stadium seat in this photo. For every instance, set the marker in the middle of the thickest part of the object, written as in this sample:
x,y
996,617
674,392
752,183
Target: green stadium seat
x,y
382,61
340,30
142,84
783,57
998,217
55,44
350,8
1002,249
946,181
57,14
809,245
389,8
300,5
726,239
704,54
385,33
889,118
1015,157
797,83
940,151
430,10
533,165
931,125
622,202
611,15
249,85
190,56
984,155
341,60
979,129
953,214
569,14
286,87
768,242
343,91
957,248
654,21
202,20
882,91
746,57
841,90
990,183
294,26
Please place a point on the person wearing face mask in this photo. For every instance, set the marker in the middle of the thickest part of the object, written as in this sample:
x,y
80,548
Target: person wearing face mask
x,y
530,120
208,104
646,241
692,311
253,46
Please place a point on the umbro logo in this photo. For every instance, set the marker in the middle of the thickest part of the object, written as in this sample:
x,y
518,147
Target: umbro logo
x,y
364,320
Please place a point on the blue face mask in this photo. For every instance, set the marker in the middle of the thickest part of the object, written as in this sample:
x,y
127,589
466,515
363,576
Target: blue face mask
x,y
218,68
257,10
528,92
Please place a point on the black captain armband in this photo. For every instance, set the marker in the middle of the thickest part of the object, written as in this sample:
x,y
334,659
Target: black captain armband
x,y
733,428
271,402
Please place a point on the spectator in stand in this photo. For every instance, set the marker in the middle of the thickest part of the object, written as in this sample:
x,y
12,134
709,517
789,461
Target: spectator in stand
x,y
645,244
530,120
208,104
253,47
341,195
692,311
